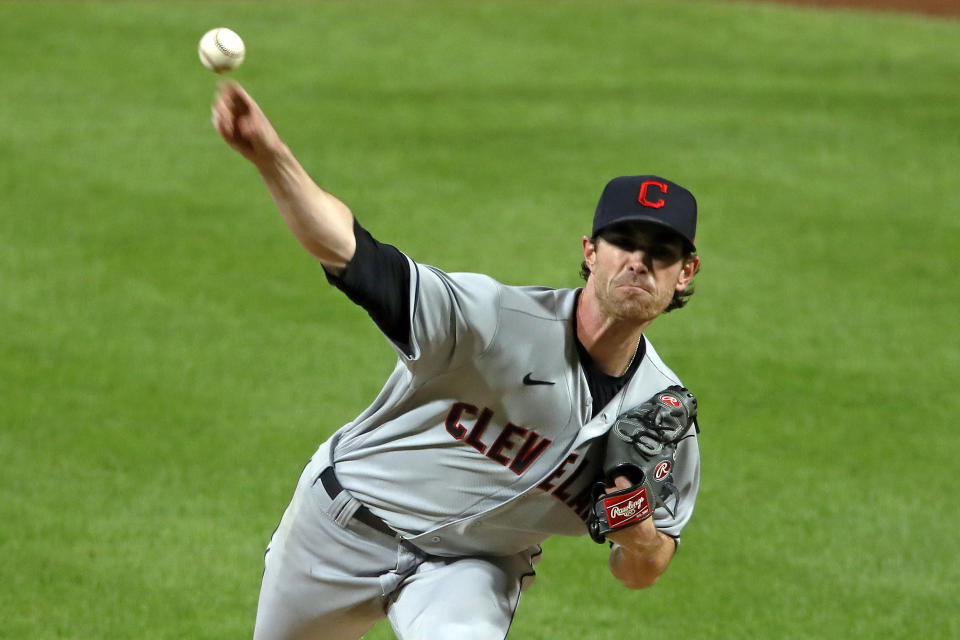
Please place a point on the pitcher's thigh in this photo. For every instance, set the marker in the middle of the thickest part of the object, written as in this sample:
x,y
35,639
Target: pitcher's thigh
x,y
320,580
467,599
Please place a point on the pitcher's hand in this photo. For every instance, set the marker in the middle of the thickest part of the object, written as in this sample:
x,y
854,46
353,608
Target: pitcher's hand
x,y
240,121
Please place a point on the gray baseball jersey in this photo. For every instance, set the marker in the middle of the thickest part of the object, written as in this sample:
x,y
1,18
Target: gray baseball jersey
x,y
480,445
481,440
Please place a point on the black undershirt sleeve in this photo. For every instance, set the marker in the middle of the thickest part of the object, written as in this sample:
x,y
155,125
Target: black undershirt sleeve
x,y
378,279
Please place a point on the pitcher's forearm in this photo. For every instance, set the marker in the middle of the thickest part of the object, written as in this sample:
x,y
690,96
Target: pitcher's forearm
x,y
320,221
640,567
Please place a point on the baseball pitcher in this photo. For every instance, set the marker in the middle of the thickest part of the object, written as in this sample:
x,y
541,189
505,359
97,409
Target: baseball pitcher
x,y
513,414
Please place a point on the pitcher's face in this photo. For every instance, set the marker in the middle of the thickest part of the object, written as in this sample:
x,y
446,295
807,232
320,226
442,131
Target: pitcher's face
x,y
636,268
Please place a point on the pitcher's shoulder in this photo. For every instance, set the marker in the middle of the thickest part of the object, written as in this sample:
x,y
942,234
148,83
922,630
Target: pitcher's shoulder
x,y
656,367
547,303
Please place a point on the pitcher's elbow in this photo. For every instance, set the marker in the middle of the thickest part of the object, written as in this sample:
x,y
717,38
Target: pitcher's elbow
x,y
636,583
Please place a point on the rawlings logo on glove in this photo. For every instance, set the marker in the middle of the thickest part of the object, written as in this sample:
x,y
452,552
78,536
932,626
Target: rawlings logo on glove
x,y
622,509
641,446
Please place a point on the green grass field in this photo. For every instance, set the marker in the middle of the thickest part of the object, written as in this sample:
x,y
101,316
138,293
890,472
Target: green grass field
x,y
170,357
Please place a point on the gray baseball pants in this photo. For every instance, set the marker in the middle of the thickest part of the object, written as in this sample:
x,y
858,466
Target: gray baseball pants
x,y
330,576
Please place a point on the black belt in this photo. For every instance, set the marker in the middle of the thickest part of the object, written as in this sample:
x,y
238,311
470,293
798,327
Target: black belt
x,y
329,480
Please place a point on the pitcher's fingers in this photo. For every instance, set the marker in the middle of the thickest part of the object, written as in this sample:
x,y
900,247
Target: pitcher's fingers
x,y
222,120
248,127
220,103
234,89
238,100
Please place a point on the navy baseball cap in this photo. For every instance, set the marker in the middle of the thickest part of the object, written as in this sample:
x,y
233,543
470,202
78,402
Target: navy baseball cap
x,y
648,199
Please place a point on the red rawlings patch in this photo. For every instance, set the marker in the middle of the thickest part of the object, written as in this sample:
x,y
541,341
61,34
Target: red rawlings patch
x,y
670,400
626,509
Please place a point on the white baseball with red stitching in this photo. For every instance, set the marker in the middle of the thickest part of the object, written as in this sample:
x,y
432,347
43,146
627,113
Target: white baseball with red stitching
x,y
221,50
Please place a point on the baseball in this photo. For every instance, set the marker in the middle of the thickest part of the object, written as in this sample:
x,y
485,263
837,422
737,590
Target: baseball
x,y
221,50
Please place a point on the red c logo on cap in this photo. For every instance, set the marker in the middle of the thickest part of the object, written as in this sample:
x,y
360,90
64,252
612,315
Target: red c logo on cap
x,y
643,194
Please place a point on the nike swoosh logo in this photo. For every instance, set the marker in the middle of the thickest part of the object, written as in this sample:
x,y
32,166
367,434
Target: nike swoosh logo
x,y
531,381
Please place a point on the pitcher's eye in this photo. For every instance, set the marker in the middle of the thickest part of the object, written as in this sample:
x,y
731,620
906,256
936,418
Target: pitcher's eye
x,y
664,252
